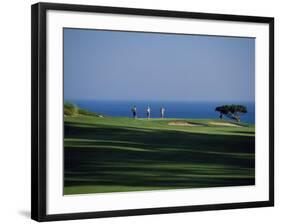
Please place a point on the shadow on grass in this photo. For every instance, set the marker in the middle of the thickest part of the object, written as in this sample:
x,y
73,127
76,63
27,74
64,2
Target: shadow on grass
x,y
134,157
242,132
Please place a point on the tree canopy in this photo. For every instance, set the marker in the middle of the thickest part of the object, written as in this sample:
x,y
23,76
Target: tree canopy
x,y
232,111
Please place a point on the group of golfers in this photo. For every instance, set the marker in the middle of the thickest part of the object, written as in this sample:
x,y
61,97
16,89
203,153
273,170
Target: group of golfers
x,y
148,111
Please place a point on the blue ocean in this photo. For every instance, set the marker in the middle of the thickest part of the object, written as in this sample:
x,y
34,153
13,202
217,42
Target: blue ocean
x,y
172,109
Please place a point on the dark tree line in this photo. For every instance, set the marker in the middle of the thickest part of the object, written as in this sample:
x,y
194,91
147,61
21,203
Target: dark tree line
x,y
232,111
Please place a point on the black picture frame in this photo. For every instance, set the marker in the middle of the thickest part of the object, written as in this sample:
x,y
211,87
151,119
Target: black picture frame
x,y
38,108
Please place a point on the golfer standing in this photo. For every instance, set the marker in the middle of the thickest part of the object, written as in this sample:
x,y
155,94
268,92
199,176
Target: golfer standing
x,y
148,112
162,112
134,110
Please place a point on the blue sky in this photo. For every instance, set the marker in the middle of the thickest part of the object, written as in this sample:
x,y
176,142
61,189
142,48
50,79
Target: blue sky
x,y
112,65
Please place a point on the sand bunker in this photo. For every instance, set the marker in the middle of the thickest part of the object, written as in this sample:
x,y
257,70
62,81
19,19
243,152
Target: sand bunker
x,y
225,124
183,123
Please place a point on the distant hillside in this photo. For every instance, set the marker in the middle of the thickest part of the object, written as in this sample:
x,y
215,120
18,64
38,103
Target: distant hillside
x,y
70,109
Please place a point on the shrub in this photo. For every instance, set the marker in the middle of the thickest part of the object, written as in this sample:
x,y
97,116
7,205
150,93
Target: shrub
x,y
70,109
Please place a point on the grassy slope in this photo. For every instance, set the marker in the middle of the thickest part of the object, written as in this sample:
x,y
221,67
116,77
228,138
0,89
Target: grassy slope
x,y
123,154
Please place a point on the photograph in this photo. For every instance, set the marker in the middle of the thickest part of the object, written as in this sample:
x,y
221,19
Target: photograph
x,y
152,111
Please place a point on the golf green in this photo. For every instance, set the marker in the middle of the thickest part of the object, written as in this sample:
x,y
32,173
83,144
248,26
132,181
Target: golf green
x,y
118,154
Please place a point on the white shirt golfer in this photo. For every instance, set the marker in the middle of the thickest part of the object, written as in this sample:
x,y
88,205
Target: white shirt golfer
x,y
162,111
148,112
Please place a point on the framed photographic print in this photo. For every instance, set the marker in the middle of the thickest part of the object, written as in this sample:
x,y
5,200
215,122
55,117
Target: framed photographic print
x,y
139,111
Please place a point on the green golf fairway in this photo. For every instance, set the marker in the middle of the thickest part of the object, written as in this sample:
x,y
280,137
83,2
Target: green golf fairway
x,y
118,154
